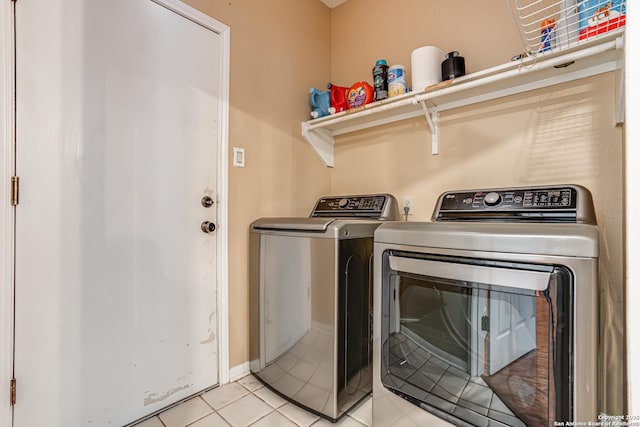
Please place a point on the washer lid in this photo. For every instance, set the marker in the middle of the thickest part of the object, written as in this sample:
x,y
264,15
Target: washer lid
x,y
292,224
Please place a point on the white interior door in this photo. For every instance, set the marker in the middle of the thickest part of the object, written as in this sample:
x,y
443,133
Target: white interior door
x,y
512,328
117,103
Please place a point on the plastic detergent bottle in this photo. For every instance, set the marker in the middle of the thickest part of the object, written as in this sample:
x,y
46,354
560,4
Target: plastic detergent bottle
x,y
598,16
380,84
397,80
361,93
320,102
548,34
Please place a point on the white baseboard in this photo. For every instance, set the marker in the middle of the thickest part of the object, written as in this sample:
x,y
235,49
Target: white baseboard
x,y
238,371
322,327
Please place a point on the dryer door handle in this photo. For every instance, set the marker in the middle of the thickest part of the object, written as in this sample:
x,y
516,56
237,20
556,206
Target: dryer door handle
x,y
520,279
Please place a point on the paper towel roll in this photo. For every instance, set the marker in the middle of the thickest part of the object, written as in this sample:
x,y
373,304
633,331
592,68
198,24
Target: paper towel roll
x,y
425,67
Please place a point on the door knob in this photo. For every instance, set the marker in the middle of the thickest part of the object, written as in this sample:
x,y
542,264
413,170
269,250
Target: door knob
x,y
207,201
208,227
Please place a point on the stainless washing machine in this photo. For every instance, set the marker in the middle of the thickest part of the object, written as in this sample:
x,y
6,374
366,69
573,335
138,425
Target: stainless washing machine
x,y
311,302
488,315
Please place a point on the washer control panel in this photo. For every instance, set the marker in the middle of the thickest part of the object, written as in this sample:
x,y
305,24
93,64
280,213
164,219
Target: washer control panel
x,y
560,198
569,203
376,206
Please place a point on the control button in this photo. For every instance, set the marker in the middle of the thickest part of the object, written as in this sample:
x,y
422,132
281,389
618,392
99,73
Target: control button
x,y
517,199
343,203
492,199
468,200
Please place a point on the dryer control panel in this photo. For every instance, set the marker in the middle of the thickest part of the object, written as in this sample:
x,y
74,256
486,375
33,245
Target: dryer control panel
x,y
564,203
372,206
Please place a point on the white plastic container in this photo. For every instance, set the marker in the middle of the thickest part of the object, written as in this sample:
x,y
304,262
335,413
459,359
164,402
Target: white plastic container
x,y
397,79
425,67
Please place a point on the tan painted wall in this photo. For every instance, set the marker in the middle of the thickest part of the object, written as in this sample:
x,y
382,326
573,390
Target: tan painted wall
x,y
366,30
279,48
563,135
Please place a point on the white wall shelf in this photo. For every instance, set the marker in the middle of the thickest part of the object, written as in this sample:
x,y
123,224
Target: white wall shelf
x,y
601,55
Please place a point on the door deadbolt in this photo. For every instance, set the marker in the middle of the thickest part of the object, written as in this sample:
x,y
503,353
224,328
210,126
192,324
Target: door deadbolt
x,y
207,201
208,227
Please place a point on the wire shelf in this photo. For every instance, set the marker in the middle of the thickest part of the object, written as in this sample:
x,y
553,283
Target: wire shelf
x,y
554,25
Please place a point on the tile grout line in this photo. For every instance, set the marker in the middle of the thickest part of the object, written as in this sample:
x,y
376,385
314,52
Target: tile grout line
x,y
275,409
252,393
201,418
262,400
207,403
292,420
271,410
229,402
213,409
358,421
224,419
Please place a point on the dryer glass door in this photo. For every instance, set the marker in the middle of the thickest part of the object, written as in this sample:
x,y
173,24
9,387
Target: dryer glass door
x,y
478,340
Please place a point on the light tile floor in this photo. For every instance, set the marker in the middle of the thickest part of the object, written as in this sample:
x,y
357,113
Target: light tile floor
x,y
247,402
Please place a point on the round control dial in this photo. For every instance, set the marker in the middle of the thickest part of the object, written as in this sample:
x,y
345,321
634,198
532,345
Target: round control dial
x,y
492,199
343,203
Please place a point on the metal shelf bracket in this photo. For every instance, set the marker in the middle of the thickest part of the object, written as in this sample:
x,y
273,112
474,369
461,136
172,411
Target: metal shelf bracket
x,y
432,121
322,141
620,111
